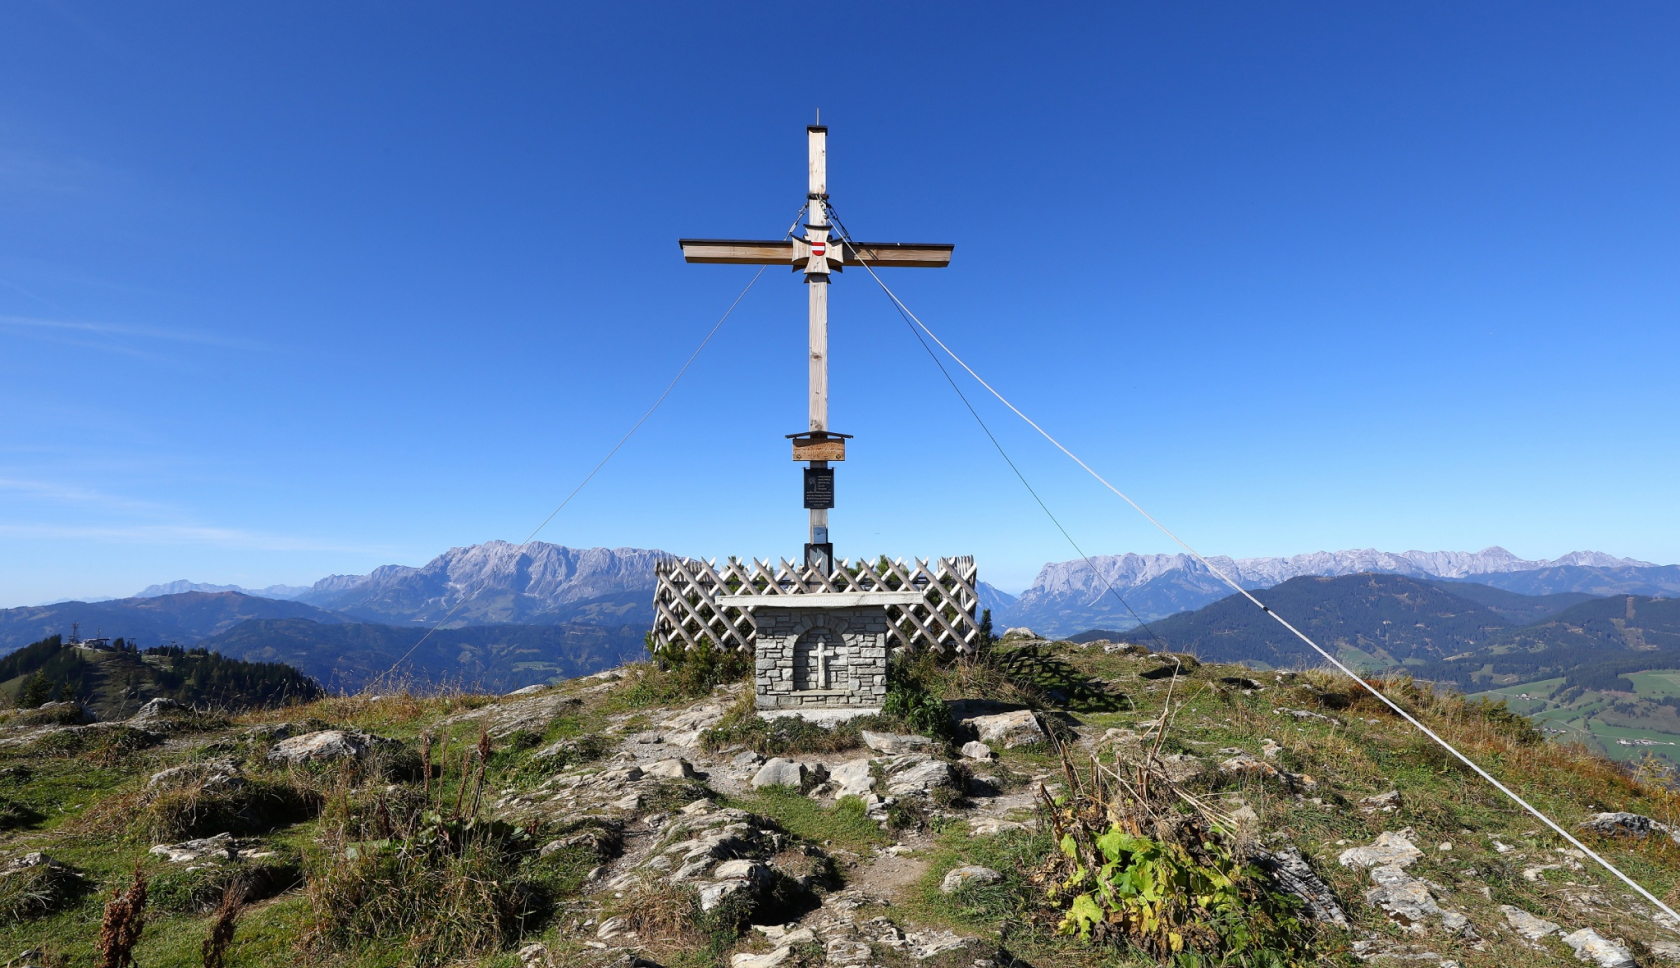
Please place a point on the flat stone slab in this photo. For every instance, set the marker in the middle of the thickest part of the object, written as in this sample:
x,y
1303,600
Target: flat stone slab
x,y
898,742
822,716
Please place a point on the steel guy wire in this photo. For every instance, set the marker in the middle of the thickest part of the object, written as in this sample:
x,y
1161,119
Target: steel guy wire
x,y
846,235
616,447
1402,713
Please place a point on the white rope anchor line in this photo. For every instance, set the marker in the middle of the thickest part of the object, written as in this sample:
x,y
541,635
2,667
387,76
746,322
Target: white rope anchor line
x,y
621,442
1408,717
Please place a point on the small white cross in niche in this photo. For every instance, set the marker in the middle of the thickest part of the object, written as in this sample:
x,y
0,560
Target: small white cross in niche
x,y
821,653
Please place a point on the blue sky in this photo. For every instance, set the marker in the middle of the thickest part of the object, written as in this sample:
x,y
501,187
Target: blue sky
x,y
289,290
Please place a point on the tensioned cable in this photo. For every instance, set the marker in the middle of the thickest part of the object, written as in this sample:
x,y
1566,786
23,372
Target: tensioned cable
x,y
1408,717
847,235
616,447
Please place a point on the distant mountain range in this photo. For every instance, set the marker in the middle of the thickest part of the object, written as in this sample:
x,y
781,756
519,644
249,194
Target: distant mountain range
x,y
487,584
277,592
1070,596
502,585
499,583
541,584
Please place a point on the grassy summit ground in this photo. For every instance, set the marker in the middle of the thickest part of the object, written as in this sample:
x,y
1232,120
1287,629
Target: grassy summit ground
x,y
489,825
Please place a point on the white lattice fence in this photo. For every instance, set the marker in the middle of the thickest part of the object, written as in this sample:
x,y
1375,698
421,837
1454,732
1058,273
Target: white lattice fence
x,y
691,598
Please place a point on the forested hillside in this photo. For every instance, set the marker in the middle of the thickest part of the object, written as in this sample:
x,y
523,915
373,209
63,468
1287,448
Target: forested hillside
x,y
348,656
1370,621
112,684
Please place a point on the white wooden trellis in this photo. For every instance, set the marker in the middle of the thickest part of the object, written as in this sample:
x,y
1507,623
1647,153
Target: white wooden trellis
x,y
691,598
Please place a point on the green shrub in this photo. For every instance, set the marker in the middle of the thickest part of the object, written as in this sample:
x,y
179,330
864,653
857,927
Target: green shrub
x,y
911,701
1137,866
679,674
1176,898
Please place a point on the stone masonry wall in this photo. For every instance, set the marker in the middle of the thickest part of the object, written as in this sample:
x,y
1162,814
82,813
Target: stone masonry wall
x,y
861,631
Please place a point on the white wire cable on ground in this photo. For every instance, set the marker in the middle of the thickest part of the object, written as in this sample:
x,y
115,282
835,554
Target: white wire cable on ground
x,y
1408,717
616,447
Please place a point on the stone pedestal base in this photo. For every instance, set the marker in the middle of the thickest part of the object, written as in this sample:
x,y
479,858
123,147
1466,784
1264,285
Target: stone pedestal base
x,y
830,717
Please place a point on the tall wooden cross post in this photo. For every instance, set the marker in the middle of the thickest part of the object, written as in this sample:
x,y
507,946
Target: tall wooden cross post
x,y
816,257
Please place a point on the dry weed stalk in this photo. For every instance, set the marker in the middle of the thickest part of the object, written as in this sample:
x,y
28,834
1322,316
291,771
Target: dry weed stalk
x,y
125,919
220,938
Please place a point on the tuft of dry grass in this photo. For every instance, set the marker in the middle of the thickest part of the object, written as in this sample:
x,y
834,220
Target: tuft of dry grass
x,y
194,809
422,869
31,892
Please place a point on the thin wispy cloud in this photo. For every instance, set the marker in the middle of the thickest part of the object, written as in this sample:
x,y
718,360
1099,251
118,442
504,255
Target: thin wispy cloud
x,y
117,334
75,494
180,534
140,521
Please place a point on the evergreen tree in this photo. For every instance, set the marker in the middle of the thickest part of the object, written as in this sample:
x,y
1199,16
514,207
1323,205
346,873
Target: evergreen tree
x,y
36,691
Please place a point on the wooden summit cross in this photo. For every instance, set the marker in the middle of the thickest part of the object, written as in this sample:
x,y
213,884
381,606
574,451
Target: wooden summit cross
x,y
821,630
817,257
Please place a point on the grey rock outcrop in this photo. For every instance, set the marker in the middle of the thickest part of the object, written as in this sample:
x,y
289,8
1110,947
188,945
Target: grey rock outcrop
x,y
725,854
1390,850
1009,730
854,778
1526,925
972,875
1242,764
780,772
898,742
326,745
1291,872
221,847
213,776
1623,824
915,774
1591,946
157,709
1409,903
31,860
675,768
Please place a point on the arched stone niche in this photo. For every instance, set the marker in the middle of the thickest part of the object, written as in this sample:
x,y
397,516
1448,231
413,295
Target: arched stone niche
x,y
822,661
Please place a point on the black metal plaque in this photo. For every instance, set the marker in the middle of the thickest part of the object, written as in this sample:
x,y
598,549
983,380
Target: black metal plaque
x,y
819,488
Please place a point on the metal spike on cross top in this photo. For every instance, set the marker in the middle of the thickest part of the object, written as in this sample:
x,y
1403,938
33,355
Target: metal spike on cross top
x,y
816,255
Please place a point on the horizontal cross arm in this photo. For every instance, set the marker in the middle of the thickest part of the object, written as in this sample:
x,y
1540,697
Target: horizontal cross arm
x,y
737,252
787,252
910,254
